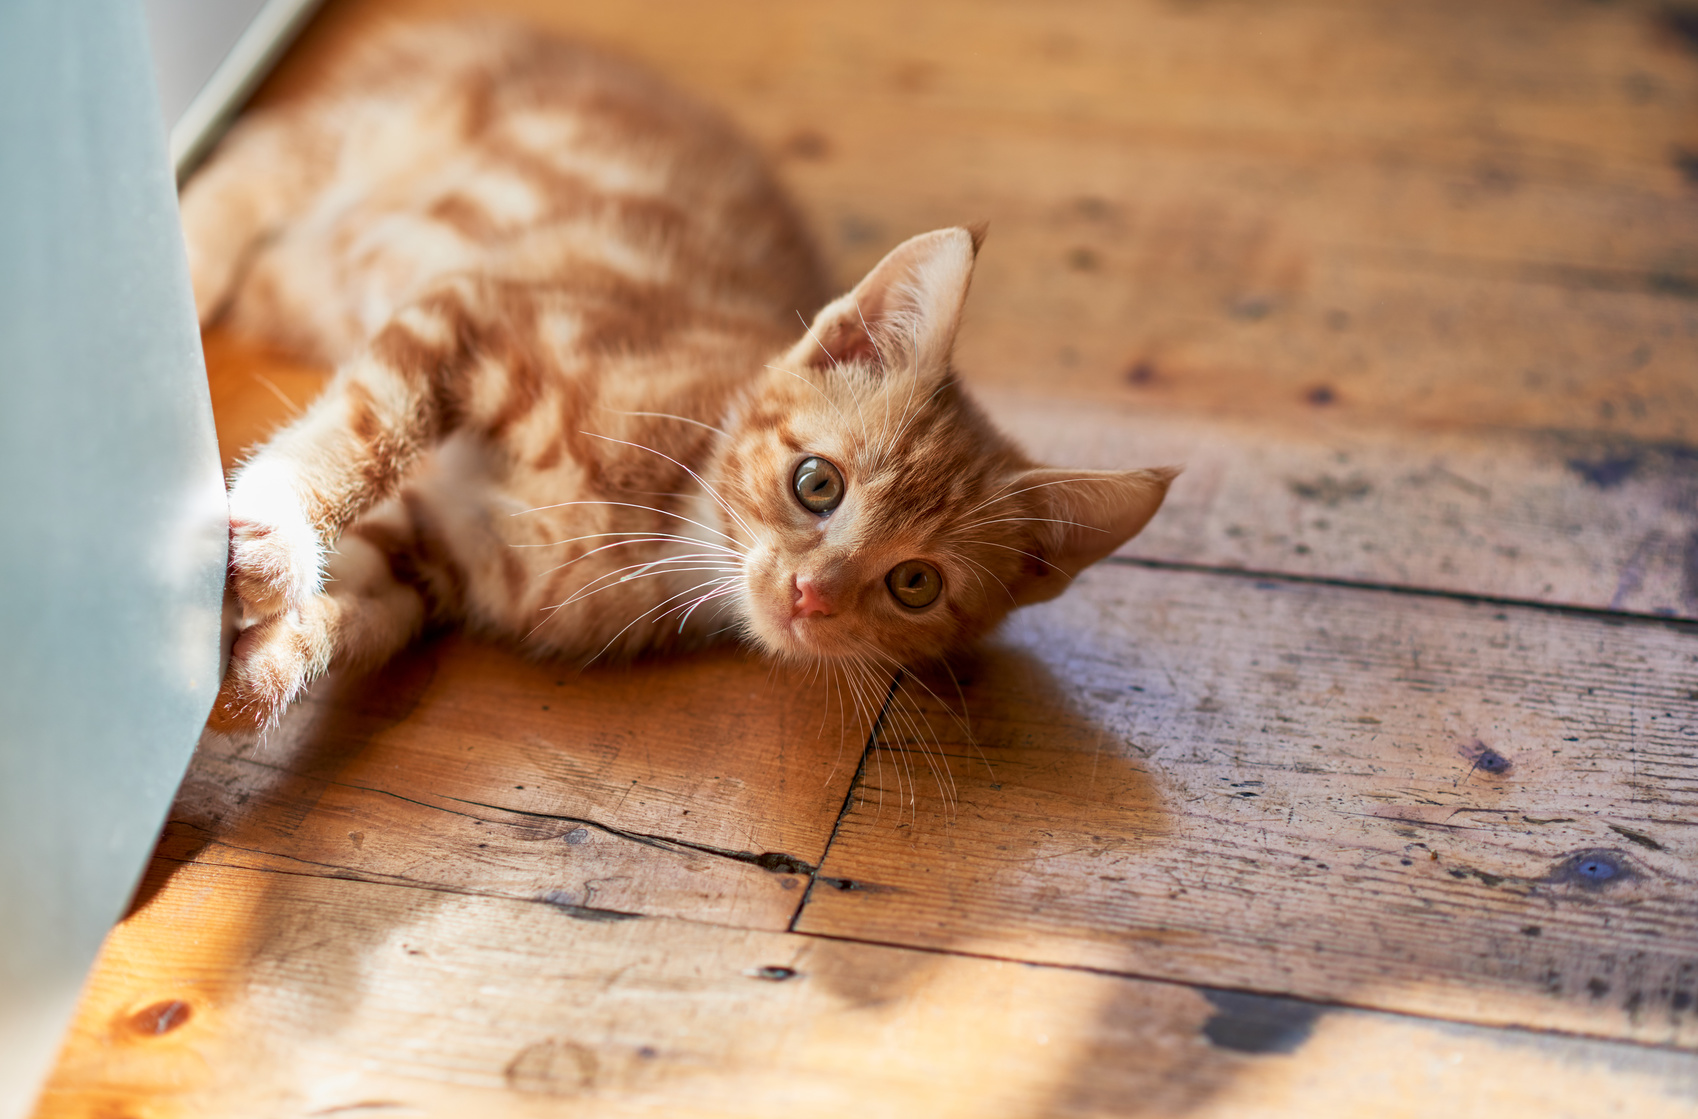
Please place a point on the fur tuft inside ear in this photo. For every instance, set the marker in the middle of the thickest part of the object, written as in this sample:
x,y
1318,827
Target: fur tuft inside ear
x,y
904,312
1083,515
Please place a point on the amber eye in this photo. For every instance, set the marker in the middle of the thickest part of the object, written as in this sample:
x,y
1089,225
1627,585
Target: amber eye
x,y
915,583
819,486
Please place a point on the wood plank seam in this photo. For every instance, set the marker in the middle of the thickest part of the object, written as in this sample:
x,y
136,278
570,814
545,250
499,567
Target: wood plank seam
x,y
1460,867
585,913
1679,625
1281,996
835,1026
855,784
1669,283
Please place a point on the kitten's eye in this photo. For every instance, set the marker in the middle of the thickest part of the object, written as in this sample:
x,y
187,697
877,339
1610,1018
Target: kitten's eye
x,y
915,583
819,486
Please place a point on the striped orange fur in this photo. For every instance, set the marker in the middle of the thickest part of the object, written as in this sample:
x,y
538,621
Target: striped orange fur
x,y
573,390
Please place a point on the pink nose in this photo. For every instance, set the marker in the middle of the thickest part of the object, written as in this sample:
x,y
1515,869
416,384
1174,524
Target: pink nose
x,y
809,599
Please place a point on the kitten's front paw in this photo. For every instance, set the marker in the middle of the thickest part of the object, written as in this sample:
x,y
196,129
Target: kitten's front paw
x,y
271,665
276,561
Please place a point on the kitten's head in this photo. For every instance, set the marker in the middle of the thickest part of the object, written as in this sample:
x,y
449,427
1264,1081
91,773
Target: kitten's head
x,y
889,517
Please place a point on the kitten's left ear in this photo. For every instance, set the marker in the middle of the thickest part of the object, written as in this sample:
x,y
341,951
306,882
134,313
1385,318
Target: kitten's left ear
x,y
905,312
1083,515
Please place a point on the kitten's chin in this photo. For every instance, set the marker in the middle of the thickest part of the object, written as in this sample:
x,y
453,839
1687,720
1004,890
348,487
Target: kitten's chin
x,y
793,638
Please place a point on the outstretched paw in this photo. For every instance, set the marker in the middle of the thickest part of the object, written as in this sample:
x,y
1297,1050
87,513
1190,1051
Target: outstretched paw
x,y
271,665
276,560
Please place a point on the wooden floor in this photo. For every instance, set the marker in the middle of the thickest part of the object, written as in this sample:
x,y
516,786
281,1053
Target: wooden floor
x,y
1364,783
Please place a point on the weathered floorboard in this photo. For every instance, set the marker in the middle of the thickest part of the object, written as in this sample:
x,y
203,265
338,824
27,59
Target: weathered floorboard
x,y
704,786
1563,518
254,391
1450,808
235,992
1456,214
1411,290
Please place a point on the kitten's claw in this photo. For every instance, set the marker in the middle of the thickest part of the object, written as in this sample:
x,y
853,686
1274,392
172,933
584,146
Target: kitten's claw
x,y
271,665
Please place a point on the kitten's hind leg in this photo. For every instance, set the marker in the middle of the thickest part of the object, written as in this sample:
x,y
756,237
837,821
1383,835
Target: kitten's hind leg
x,y
365,617
264,172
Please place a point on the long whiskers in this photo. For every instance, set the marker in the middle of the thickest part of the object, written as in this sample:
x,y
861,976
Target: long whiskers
x,y
703,482
960,720
630,505
638,571
668,416
912,413
721,557
992,574
817,342
608,582
646,613
1028,489
642,537
901,727
1006,548
1046,520
827,399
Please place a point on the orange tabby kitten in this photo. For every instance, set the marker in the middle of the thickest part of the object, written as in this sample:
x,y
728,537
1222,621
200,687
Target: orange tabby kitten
x,y
575,406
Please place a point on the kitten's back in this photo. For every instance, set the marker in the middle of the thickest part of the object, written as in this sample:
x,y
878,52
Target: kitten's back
x,y
484,149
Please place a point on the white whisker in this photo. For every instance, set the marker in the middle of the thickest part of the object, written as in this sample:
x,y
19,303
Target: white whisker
x,y
1029,489
718,557
629,505
669,416
992,574
1007,548
817,341
1046,520
823,396
554,610
643,616
711,492
636,538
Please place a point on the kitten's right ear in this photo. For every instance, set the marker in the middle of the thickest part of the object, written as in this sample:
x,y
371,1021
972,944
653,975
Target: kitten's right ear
x,y
1083,515
905,312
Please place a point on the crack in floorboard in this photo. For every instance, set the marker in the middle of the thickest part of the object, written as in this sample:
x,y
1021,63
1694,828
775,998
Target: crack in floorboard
x,y
855,782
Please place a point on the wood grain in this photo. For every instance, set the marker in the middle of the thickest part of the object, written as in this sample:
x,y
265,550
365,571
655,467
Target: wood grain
x,y
1460,215
703,786
445,1005
1448,808
1411,291
1554,517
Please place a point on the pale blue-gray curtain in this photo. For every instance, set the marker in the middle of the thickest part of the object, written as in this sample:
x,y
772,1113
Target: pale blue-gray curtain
x,y
112,516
